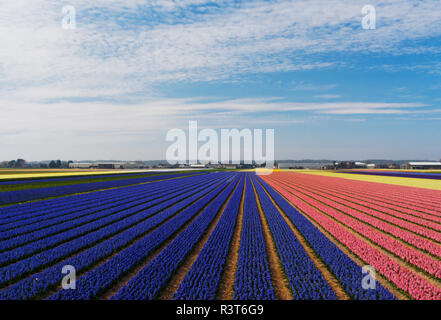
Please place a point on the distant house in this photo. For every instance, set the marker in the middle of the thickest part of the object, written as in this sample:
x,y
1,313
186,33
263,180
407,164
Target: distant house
x,y
197,166
360,165
108,166
287,165
133,165
370,166
81,165
99,165
424,165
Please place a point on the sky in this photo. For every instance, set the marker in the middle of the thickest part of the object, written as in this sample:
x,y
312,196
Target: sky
x,y
132,69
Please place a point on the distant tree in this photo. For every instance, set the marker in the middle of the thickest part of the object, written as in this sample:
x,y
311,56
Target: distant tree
x,y
59,164
4,164
11,164
65,164
43,165
20,163
52,164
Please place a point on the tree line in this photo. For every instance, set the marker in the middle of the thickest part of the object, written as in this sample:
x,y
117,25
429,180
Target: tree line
x,y
21,164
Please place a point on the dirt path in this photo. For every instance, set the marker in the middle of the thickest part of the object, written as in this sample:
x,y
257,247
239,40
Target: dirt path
x,y
279,278
122,282
226,288
179,275
321,266
380,278
423,274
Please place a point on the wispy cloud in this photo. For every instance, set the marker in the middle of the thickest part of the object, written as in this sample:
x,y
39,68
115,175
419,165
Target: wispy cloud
x,y
328,96
355,120
78,117
305,86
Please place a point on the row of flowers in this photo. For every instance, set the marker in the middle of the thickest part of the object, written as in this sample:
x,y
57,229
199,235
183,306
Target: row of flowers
x,y
202,281
347,272
400,275
102,277
305,280
424,199
407,253
26,244
149,281
41,193
91,248
253,278
394,226
411,212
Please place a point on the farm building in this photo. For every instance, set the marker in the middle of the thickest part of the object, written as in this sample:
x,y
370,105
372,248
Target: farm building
x,y
81,165
109,165
360,164
288,165
424,165
102,165
197,166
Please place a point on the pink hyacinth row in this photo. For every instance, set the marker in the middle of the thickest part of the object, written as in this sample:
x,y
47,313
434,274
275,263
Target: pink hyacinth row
x,y
402,276
395,209
420,226
405,235
421,198
408,254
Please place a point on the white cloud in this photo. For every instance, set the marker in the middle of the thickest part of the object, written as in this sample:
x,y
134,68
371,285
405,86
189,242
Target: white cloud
x,y
328,96
355,120
104,130
304,86
131,119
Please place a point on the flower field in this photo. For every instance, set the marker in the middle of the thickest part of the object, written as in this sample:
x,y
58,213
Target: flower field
x,y
407,174
221,235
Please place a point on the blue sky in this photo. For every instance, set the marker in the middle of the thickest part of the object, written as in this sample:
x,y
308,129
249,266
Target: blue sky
x,y
133,69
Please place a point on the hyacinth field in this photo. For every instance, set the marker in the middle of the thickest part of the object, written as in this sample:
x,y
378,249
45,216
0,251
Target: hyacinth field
x,y
219,235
